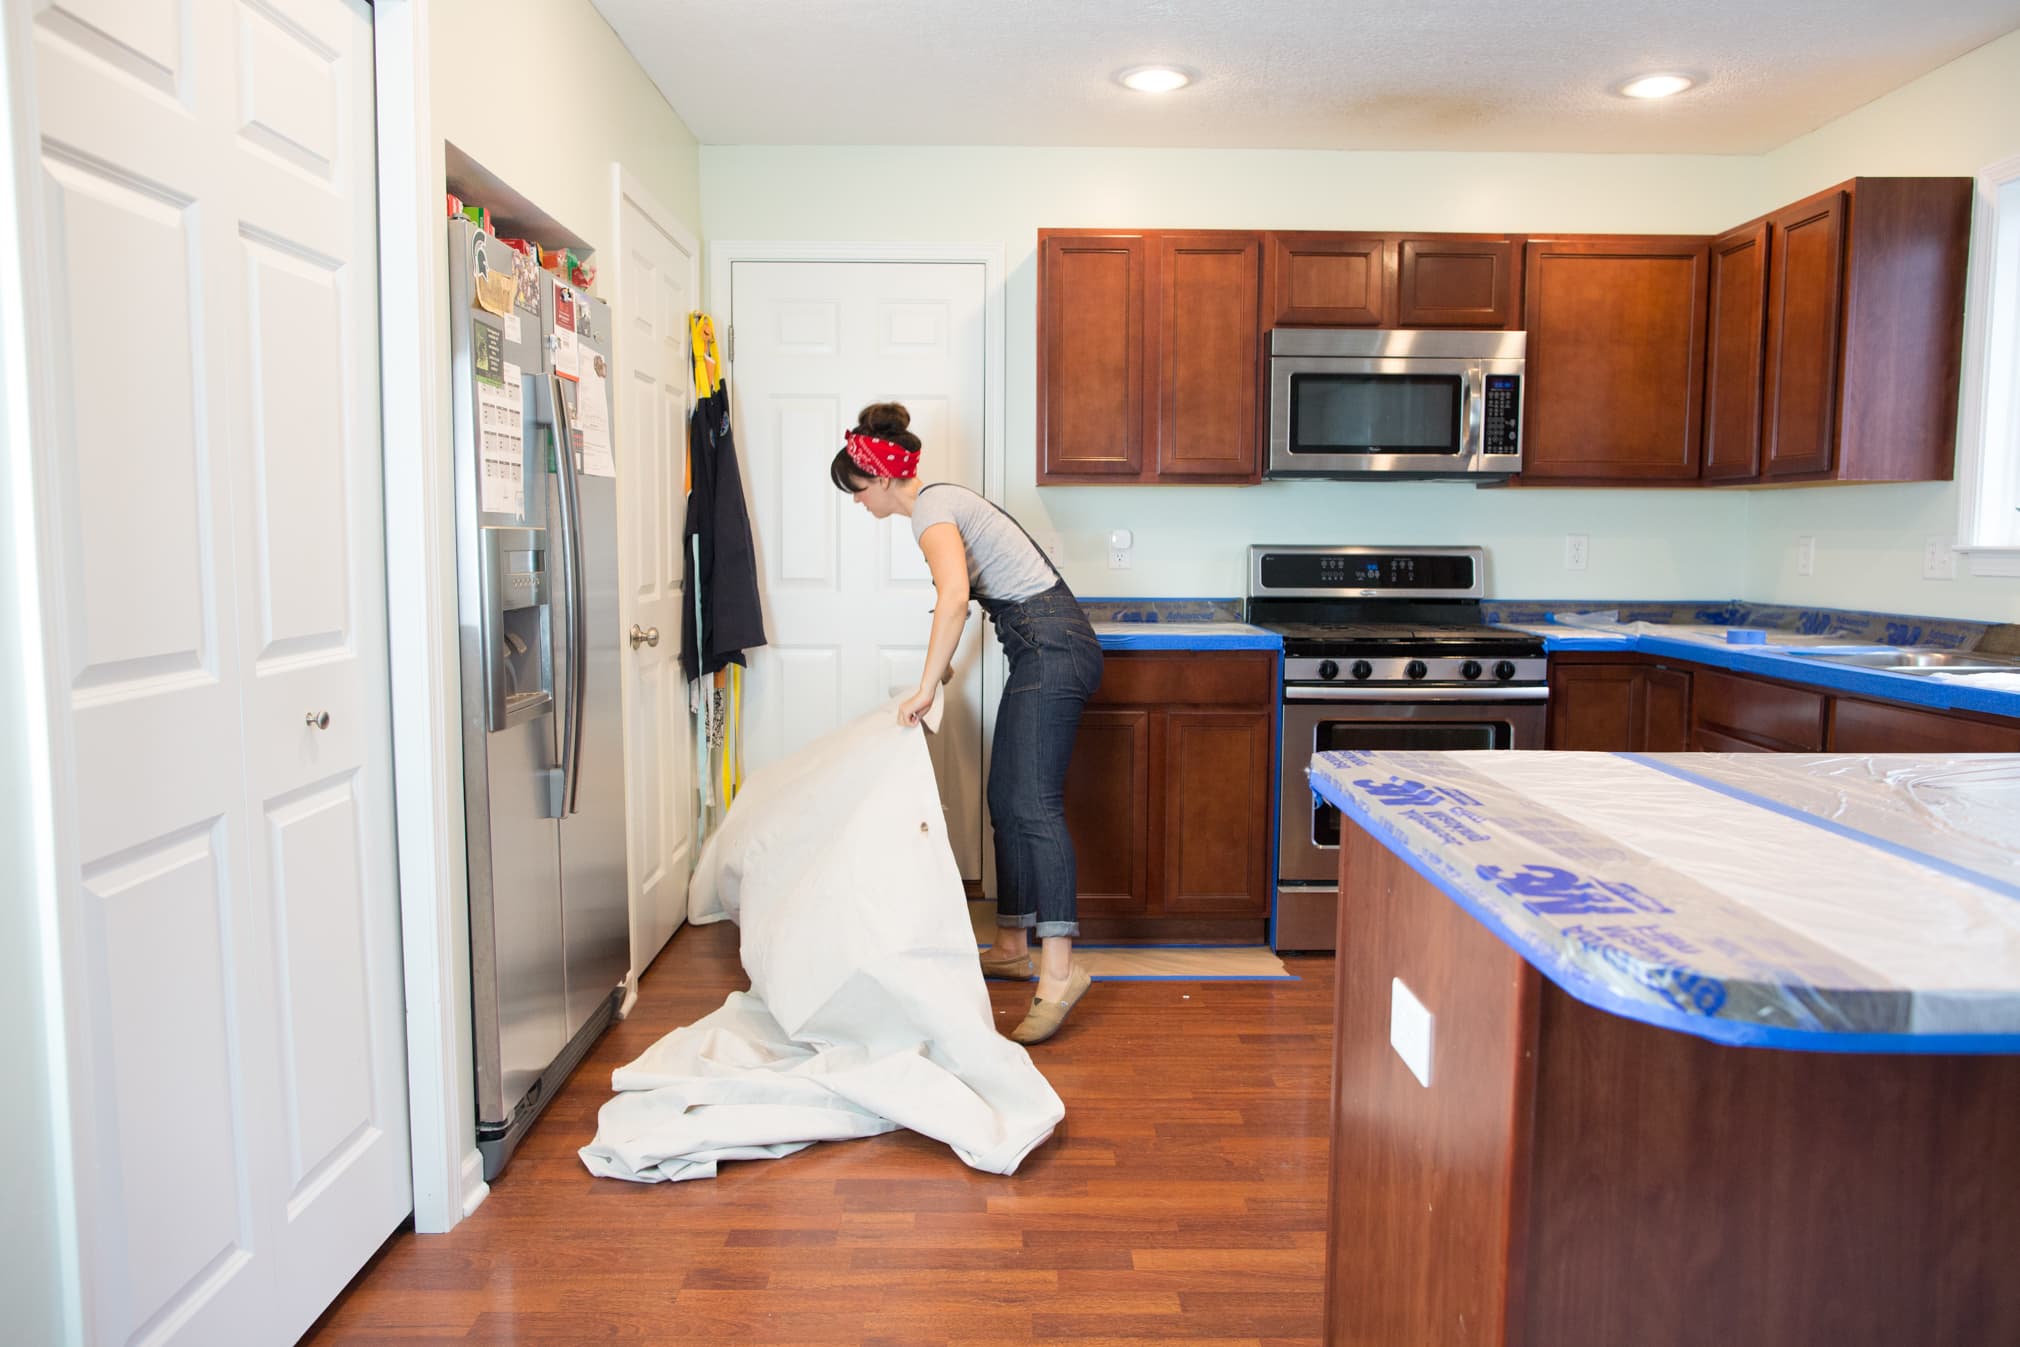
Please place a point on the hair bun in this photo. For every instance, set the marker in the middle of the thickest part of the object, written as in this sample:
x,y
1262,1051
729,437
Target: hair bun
x,y
886,419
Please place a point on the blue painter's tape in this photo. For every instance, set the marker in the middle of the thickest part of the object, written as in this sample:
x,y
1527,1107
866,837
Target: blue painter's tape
x,y
1913,689
1581,987
1157,636
1832,826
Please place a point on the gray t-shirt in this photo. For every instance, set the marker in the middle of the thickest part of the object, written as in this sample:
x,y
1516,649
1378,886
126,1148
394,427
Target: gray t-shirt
x,y
1003,563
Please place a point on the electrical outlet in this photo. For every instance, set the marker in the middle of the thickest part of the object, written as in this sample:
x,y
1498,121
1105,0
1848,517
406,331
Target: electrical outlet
x,y
1051,541
1118,558
1806,555
1938,561
1574,551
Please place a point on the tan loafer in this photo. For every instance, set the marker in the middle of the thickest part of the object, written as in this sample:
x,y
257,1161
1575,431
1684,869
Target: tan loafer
x,y
1017,969
1046,1016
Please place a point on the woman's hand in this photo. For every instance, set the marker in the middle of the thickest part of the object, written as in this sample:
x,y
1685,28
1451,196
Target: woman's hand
x,y
914,706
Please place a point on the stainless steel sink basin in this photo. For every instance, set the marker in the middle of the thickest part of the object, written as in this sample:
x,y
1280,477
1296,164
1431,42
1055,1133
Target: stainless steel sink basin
x,y
1911,659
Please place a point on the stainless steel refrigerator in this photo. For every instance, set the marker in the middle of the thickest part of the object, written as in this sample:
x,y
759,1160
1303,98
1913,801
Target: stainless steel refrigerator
x,y
543,776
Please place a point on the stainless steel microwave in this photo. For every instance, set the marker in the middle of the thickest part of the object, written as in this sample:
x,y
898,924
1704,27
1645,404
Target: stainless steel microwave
x,y
1405,403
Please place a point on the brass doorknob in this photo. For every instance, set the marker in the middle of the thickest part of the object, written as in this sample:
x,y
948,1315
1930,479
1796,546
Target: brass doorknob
x,y
643,636
317,720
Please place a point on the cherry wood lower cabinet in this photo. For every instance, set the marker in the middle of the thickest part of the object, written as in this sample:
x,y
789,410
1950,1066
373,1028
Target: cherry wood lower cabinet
x,y
1170,796
1629,703
1573,1179
1618,704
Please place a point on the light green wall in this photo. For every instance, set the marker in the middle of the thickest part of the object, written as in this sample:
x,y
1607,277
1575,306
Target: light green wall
x,y
1190,540
1956,120
1646,544
555,144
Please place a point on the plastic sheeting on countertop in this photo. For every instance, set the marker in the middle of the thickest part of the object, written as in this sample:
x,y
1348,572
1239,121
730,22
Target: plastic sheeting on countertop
x,y
866,1010
1185,636
1847,903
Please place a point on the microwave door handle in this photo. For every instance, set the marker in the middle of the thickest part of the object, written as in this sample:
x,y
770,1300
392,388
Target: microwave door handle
x,y
1475,384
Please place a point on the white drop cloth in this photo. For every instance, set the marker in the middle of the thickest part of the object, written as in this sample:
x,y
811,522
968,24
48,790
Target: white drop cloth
x,y
866,1011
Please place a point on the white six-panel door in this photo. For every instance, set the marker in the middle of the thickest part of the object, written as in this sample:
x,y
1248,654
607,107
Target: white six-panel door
x,y
658,274
231,946
848,600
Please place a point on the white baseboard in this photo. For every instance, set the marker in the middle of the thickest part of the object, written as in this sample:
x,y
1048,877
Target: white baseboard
x,y
630,995
475,1190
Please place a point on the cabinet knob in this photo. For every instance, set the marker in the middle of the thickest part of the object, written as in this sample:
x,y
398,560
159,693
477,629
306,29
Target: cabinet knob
x,y
317,720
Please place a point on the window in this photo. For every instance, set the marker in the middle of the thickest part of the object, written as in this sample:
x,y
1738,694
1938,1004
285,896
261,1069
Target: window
x,y
1988,427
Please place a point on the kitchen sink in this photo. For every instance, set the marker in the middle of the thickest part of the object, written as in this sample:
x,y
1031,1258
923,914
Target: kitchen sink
x,y
1911,659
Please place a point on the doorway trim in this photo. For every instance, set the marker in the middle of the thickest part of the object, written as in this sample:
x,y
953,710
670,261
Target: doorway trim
x,y
723,256
421,631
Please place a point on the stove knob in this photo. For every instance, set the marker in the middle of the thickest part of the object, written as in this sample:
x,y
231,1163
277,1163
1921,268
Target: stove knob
x,y
1363,670
1470,670
1415,669
1504,671
1328,669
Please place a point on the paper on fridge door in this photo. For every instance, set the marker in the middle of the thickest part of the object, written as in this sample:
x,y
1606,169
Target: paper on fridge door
x,y
592,415
502,443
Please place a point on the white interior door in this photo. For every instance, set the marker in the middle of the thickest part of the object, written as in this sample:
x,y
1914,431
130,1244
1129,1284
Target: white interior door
x,y
848,599
231,943
658,277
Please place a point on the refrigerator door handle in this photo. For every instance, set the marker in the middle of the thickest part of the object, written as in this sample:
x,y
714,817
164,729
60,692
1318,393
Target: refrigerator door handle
x,y
571,561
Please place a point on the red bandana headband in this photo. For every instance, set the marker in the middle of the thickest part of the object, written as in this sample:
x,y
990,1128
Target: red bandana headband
x,y
881,458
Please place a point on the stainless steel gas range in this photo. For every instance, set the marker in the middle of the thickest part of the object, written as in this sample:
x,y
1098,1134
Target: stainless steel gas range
x,y
1384,648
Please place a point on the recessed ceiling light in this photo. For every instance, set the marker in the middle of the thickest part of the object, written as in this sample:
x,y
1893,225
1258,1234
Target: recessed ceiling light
x,y
1154,79
1656,86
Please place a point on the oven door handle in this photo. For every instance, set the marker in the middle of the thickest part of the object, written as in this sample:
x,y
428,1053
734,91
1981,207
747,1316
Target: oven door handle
x,y
1393,694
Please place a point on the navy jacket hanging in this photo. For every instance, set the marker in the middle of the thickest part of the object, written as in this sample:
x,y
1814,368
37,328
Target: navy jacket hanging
x,y
731,620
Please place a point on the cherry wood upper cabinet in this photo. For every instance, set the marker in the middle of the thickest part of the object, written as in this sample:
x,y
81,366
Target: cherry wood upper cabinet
x,y
1454,280
1208,344
1805,287
1149,356
1329,280
1735,353
1865,327
1092,289
1616,358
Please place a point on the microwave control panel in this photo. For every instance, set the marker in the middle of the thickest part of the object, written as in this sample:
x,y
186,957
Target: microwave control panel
x,y
1504,414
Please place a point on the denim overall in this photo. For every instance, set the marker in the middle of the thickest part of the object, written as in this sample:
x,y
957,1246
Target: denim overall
x,y
1055,666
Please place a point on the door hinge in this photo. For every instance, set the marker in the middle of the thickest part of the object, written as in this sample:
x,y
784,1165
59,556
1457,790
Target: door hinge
x,y
732,343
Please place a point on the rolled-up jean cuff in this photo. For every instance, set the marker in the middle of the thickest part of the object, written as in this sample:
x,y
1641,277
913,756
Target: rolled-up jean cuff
x,y
1048,929
1022,919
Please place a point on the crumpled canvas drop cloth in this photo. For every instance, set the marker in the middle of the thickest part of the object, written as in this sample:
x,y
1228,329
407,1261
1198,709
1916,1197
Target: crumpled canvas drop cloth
x,y
866,1011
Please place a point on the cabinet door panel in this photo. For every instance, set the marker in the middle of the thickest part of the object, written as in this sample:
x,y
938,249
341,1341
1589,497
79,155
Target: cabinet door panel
x,y
1209,354
1108,811
1091,355
1338,280
1457,282
1217,795
1805,296
1616,358
1665,711
1593,707
1735,353
1874,727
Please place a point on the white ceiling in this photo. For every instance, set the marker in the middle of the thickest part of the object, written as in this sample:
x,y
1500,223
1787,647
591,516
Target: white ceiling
x,y
1309,74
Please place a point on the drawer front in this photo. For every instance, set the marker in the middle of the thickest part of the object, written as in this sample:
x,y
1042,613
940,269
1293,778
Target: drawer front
x,y
1873,727
1187,678
1766,714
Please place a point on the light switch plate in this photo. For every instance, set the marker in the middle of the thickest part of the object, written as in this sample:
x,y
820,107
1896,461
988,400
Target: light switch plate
x,y
1410,1027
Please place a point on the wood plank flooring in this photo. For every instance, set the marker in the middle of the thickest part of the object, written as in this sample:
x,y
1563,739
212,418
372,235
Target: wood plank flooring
x,y
1183,1200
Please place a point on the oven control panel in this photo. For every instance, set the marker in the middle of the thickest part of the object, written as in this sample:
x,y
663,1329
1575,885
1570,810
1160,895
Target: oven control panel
x,y
1405,670
1351,572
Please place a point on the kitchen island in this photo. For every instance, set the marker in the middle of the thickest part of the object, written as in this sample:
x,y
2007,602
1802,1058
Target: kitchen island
x,y
1675,1049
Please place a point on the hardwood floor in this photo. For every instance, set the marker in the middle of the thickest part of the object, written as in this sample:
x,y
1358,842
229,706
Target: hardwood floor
x,y
1183,1200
